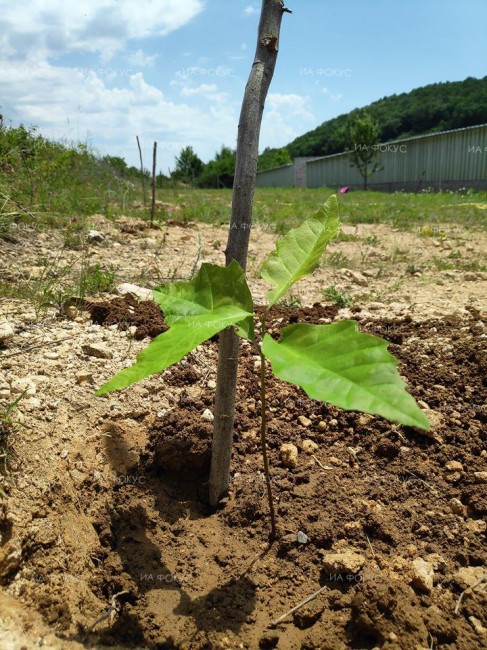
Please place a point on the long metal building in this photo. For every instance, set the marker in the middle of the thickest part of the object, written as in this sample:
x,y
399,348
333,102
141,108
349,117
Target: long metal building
x,y
446,160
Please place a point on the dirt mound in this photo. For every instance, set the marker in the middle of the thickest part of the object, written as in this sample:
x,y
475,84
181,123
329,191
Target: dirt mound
x,y
126,312
129,513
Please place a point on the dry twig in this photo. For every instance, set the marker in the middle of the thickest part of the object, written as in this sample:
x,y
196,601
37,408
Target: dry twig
x,y
298,606
109,613
460,598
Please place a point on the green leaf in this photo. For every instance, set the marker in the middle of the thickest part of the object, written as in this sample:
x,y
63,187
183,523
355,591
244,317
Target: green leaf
x,y
212,287
298,253
338,364
216,298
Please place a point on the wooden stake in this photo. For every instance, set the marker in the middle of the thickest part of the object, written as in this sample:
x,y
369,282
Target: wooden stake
x,y
239,234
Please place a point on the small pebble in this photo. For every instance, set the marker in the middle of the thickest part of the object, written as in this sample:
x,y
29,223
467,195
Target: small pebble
x,y
302,538
207,415
289,455
309,446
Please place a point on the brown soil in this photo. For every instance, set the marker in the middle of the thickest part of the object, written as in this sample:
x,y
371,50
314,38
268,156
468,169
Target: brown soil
x,y
109,495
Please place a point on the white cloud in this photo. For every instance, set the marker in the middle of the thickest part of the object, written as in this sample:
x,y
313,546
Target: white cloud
x,y
334,97
141,60
45,28
75,104
285,117
250,10
204,90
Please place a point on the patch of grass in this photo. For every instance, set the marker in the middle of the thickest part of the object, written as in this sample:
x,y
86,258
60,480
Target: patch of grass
x,y
340,298
284,208
58,281
94,279
372,240
346,236
456,262
411,269
8,427
292,301
399,255
50,182
337,260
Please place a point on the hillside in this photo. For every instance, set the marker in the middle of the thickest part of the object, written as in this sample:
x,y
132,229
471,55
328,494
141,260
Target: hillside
x,y
432,108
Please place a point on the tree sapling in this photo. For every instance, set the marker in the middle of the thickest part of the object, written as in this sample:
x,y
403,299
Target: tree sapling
x,y
334,363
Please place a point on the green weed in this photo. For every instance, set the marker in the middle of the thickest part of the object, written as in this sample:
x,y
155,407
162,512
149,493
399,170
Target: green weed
x,y
340,298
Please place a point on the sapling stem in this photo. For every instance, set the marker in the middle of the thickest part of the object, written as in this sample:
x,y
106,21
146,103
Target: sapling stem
x,y
263,436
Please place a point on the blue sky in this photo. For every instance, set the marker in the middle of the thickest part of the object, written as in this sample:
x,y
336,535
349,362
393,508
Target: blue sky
x,y
174,71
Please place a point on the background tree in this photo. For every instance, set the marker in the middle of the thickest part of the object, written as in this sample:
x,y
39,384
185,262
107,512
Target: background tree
x,y
363,136
270,158
188,165
219,172
429,109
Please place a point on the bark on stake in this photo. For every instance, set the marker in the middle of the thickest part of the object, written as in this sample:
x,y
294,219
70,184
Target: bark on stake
x,y
238,238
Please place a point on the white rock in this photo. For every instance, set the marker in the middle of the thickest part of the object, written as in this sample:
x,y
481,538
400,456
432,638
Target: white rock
x,y
467,576
24,385
211,383
454,466
31,404
71,312
346,561
454,470
480,477
457,507
289,455
477,625
51,355
356,277
208,415
98,350
309,446
422,575
140,292
302,538
437,561
84,375
95,236
306,422
6,331
10,558
476,526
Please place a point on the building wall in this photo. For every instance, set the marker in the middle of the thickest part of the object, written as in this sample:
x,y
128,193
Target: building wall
x,y
448,160
276,177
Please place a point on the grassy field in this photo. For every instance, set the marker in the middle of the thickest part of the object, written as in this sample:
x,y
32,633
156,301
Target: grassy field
x,y
49,184
46,187
284,208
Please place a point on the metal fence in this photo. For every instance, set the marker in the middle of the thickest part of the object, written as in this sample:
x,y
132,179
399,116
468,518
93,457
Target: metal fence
x,y
447,160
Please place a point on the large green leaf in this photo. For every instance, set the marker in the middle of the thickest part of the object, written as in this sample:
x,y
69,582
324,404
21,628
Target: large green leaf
x,y
212,287
215,298
298,253
338,364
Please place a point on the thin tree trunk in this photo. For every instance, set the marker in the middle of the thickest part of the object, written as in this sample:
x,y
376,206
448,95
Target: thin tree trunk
x,y
238,238
142,171
153,204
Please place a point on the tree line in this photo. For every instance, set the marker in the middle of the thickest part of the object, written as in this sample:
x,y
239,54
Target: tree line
x,y
429,109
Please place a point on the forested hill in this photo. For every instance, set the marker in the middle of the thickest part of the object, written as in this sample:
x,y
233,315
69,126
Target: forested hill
x,y
437,107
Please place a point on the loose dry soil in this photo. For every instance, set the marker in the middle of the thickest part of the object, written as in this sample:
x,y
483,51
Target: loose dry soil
x,y
105,501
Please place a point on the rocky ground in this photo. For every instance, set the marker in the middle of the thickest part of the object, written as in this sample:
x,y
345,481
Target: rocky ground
x,y
106,536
